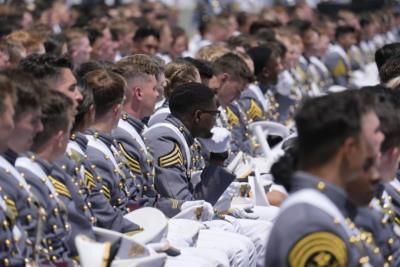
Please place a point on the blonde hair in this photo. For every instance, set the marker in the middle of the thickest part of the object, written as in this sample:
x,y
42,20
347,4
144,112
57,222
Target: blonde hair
x,y
211,52
179,72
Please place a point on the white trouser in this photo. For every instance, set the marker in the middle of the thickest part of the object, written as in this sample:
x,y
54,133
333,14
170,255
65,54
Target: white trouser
x,y
266,213
240,251
257,231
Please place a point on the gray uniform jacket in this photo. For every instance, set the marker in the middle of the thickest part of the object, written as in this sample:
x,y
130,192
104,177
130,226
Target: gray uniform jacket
x,y
304,235
141,164
173,178
56,229
106,216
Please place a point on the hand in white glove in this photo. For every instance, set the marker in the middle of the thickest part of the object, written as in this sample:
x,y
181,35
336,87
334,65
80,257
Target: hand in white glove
x,y
219,142
242,214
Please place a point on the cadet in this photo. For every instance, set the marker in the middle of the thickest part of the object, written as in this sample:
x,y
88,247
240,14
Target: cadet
x,y
141,72
10,234
337,59
328,166
66,215
170,143
55,72
29,215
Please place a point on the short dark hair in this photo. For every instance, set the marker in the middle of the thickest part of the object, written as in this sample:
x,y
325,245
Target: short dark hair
x,y
343,30
386,52
91,66
387,108
188,97
204,68
144,32
234,65
260,56
108,89
83,107
324,123
390,70
6,89
55,117
28,91
45,66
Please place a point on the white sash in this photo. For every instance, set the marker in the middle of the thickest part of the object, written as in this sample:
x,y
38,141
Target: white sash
x,y
24,162
73,145
7,166
99,145
320,201
160,111
317,62
129,129
178,134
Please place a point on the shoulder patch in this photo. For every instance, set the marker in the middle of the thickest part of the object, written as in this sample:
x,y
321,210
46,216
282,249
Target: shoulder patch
x,y
60,188
232,118
340,69
319,249
254,111
132,163
172,158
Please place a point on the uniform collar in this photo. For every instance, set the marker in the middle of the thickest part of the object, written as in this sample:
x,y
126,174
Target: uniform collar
x,y
44,164
134,122
165,104
105,138
182,128
80,139
11,156
303,180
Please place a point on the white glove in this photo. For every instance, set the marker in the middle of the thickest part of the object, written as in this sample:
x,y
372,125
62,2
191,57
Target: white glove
x,y
242,214
195,178
219,142
198,210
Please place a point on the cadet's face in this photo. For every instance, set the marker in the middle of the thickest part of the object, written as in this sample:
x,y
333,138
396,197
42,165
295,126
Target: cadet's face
x,y
66,84
179,46
25,130
274,68
148,46
150,95
206,119
6,122
362,188
230,90
81,50
348,40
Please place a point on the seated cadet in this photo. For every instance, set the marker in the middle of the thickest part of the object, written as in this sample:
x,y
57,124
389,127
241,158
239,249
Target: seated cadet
x,y
109,93
77,165
193,114
27,120
55,72
337,59
330,162
122,187
381,220
10,234
67,214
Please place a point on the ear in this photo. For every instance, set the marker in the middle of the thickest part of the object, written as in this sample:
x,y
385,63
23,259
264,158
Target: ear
x,y
57,140
350,149
137,92
117,108
224,77
196,116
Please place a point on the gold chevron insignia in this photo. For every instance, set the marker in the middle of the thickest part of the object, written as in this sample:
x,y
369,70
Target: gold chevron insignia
x,y
11,206
254,111
172,158
320,249
133,164
106,192
89,180
232,118
60,188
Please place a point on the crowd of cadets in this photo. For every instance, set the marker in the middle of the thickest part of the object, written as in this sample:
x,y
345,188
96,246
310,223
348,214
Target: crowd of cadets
x,y
109,110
